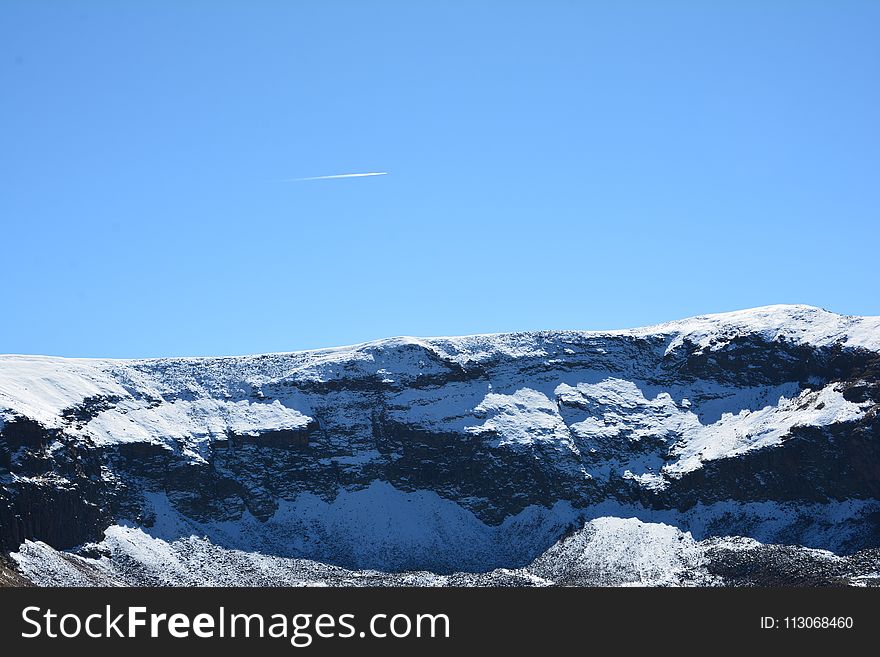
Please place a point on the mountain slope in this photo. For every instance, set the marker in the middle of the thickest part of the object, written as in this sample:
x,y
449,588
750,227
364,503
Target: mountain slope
x,y
483,457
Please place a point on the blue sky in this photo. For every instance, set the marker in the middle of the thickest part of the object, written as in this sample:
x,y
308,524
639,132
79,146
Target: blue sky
x,y
579,165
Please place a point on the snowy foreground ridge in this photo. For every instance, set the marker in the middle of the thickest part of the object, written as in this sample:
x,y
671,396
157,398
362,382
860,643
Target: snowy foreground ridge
x,y
738,448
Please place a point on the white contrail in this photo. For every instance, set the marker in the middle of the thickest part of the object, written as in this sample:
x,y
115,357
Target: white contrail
x,y
339,175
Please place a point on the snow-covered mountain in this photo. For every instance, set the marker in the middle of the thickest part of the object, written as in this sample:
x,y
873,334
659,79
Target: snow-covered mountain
x,y
725,449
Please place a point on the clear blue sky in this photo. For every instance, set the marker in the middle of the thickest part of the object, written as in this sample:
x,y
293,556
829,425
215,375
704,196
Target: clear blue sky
x,y
551,165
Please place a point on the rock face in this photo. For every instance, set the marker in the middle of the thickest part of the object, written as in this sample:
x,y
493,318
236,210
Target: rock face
x,y
533,453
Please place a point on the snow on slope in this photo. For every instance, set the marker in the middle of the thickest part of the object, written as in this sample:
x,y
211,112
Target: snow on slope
x,y
621,552
192,422
188,402
793,323
611,552
595,404
798,324
621,406
616,545
378,527
40,387
614,551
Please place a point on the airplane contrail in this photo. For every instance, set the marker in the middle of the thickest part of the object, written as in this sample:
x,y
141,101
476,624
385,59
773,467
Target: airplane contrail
x,y
339,175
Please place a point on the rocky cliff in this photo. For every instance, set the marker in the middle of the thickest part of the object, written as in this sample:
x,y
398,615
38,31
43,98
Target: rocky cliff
x,y
738,448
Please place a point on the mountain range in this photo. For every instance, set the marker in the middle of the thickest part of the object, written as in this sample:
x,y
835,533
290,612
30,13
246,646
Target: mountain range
x,y
723,450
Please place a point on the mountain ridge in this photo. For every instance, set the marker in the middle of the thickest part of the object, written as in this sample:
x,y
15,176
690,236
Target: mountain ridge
x,y
781,313
712,425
